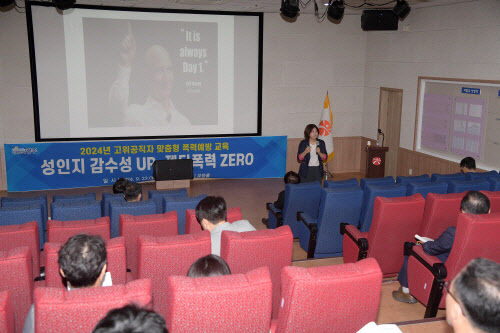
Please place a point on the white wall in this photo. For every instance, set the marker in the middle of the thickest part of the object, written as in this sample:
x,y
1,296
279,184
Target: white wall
x,y
453,41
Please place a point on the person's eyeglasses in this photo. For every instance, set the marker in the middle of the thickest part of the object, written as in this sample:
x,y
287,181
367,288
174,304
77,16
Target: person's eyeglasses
x,y
447,286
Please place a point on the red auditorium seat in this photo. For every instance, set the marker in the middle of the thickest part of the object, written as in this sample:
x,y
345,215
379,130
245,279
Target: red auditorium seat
x,y
476,236
232,303
18,235
131,227
441,211
16,277
339,298
116,258
192,225
61,231
244,251
494,197
395,221
6,313
79,310
161,257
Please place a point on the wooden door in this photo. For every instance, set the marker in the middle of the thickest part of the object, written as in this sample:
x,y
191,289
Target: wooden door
x,y
389,121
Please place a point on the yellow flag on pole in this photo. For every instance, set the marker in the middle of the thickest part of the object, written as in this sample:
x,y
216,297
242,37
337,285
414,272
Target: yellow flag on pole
x,y
326,128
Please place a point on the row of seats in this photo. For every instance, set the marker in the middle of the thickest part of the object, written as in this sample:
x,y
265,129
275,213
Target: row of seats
x,y
157,257
243,300
86,207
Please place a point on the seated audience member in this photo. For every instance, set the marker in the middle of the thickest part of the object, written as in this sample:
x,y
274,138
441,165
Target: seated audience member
x,y
473,203
119,185
290,177
132,192
82,262
473,298
131,319
467,164
211,214
210,265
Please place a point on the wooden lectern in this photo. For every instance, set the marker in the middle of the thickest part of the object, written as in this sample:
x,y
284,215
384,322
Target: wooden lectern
x,y
375,161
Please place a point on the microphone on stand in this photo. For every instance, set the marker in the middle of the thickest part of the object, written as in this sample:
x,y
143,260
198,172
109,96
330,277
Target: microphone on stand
x,y
383,136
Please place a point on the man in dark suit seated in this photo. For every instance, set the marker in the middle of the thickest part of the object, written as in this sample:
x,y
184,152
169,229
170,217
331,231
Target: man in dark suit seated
x,y
474,202
291,177
468,164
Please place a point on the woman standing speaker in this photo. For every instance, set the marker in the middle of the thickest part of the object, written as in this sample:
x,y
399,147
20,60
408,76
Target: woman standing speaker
x,y
312,153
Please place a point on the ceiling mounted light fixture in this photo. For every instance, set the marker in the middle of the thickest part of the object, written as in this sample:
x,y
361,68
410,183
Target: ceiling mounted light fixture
x,y
64,4
5,3
336,10
289,8
401,9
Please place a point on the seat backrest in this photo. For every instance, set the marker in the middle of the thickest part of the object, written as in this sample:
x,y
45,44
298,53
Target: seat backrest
x,y
131,227
389,180
404,180
459,186
61,231
494,184
481,175
12,236
441,211
107,198
338,298
17,215
494,197
136,208
447,177
42,199
6,313
233,214
244,251
369,195
79,310
161,257
425,188
476,236
340,183
303,197
180,205
395,221
157,197
341,205
16,276
242,303
116,259
70,210
74,197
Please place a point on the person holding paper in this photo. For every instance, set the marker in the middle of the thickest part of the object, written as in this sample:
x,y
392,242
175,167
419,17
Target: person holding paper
x,y
311,154
474,202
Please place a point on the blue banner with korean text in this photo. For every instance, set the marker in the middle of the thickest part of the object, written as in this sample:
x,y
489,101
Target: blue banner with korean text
x,y
44,166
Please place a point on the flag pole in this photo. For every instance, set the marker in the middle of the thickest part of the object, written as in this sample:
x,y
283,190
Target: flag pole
x,y
326,172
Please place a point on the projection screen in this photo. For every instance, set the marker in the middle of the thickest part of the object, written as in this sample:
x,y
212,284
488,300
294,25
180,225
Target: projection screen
x,y
111,72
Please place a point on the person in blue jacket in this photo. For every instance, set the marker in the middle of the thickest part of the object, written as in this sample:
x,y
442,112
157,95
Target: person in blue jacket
x,y
311,154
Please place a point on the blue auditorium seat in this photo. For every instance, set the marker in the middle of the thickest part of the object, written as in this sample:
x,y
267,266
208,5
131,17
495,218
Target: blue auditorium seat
x,y
134,208
71,210
494,184
459,186
180,204
107,198
20,202
21,215
304,197
437,177
158,196
321,237
340,183
414,179
427,187
75,197
376,181
370,193
481,175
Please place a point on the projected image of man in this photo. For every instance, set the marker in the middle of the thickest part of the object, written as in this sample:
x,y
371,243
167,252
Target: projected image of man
x,y
158,109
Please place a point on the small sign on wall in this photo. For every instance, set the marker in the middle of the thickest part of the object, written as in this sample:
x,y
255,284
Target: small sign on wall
x,y
472,91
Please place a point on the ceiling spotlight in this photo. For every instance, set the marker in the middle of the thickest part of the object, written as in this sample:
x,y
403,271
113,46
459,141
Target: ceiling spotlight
x,y
336,10
290,8
64,4
5,3
401,9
